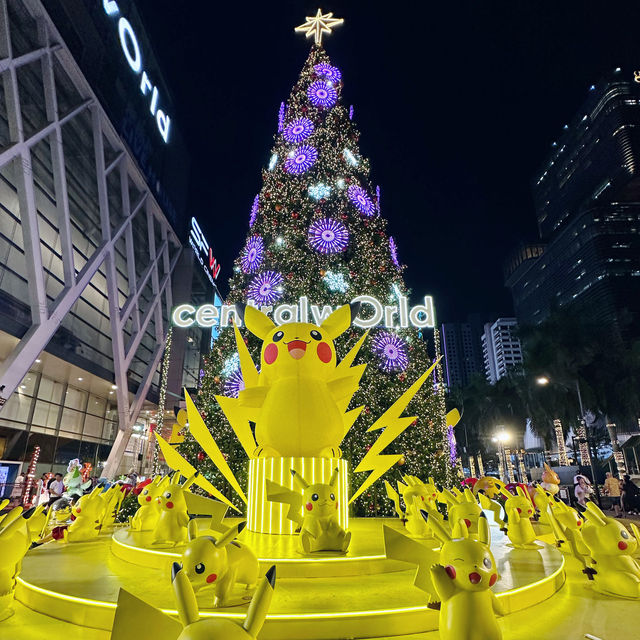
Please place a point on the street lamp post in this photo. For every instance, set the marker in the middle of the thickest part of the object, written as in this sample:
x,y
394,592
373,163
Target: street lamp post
x,y
582,432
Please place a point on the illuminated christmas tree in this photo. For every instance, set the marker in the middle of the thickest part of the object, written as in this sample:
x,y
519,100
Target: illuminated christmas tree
x,y
315,230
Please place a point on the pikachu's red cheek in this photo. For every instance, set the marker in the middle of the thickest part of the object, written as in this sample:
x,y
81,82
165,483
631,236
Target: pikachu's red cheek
x,y
270,353
324,352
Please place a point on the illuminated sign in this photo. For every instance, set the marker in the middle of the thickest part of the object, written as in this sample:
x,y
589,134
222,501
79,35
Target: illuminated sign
x,y
203,251
372,314
131,50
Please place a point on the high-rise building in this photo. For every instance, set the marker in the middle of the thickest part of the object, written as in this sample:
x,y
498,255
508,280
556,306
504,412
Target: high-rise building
x,y
93,177
462,351
501,348
587,201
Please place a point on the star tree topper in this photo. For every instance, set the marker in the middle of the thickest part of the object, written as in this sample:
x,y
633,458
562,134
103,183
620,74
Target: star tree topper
x,y
319,24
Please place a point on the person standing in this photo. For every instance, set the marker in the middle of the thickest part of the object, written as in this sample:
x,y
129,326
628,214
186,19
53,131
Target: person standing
x,y
582,490
630,495
612,489
56,488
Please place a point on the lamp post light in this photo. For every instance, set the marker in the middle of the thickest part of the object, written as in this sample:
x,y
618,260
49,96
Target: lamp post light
x,y
585,457
501,438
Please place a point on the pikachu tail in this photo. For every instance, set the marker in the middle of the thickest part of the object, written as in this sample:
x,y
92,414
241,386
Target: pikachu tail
x,y
260,604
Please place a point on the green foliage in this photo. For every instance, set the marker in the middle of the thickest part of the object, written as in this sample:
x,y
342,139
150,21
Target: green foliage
x,y
285,213
128,507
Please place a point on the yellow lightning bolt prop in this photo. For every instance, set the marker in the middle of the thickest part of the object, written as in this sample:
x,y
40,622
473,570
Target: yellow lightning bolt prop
x,y
237,415
178,463
373,460
199,431
278,493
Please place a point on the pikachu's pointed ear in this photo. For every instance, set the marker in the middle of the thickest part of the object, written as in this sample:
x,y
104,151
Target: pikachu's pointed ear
x,y
459,529
334,477
340,320
257,322
230,535
259,604
175,479
596,515
299,480
484,534
439,531
185,598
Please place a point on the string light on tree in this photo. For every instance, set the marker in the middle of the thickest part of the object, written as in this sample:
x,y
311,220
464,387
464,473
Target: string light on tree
x,y
255,206
231,364
164,379
350,158
31,474
319,191
521,466
472,468
585,456
480,466
318,25
336,282
510,474
281,113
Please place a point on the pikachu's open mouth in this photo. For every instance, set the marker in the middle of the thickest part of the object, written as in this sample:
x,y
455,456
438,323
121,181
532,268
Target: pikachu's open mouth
x,y
297,349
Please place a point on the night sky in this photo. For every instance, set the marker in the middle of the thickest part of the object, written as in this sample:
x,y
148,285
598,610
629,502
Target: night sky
x,y
457,103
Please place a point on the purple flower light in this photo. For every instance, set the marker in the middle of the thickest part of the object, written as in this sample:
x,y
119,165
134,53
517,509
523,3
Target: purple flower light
x,y
301,159
393,249
321,94
351,112
281,113
392,351
361,200
264,288
328,72
378,198
254,210
252,254
298,130
234,384
328,236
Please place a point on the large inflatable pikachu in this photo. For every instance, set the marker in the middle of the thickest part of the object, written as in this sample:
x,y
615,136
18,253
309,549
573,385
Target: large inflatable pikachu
x,y
296,403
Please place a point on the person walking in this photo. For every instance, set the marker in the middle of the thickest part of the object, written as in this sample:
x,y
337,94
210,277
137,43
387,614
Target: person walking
x,y
612,489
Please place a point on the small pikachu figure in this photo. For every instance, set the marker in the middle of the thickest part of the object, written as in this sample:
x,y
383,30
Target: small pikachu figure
x,y
519,510
171,527
220,628
220,562
463,582
320,528
146,517
416,495
462,506
490,486
88,512
612,548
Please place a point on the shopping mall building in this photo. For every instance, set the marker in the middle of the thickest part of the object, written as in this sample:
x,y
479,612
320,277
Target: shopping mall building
x,y
93,236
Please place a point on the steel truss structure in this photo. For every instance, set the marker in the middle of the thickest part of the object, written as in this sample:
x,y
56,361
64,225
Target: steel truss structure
x,y
47,314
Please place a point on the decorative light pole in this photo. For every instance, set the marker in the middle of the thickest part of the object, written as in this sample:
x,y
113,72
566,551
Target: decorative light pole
x,y
480,465
563,459
501,437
